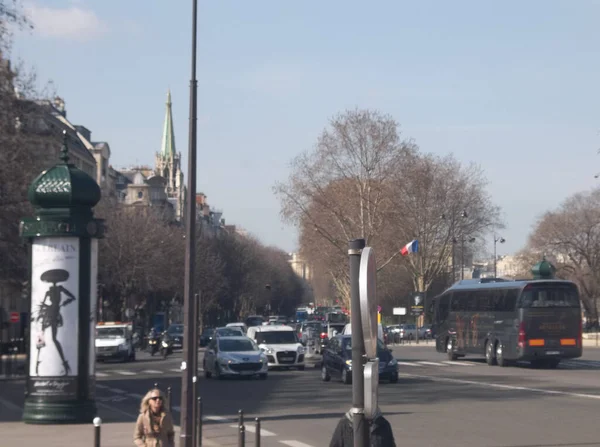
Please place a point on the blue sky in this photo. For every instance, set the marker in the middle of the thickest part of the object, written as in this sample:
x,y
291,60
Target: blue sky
x,y
511,86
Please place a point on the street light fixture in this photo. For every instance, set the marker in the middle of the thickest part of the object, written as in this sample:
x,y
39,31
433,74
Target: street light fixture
x,y
496,240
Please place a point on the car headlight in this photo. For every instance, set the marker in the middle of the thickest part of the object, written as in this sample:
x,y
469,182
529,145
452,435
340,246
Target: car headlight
x,y
301,350
349,362
267,350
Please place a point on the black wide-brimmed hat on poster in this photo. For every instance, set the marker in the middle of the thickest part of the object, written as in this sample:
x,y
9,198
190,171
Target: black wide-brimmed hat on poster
x,y
54,276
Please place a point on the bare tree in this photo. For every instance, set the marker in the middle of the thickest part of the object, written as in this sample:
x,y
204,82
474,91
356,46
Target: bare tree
x,y
339,188
437,200
570,236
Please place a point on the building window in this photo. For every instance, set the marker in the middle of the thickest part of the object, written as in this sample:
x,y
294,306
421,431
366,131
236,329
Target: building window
x,y
140,194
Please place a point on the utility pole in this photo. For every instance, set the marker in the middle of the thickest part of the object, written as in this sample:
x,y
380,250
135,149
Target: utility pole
x,y
496,240
190,346
359,423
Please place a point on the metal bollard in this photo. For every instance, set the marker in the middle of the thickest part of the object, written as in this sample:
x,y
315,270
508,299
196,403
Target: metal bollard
x,y
242,437
257,433
169,399
97,423
199,421
241,418
156,385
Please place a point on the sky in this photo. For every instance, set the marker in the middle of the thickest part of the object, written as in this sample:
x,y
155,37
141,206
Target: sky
x,y
511,86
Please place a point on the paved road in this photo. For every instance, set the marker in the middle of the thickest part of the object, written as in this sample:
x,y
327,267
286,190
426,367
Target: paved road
x,y
436,402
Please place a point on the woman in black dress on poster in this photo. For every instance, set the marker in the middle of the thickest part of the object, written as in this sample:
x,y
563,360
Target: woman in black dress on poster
x,y
49,313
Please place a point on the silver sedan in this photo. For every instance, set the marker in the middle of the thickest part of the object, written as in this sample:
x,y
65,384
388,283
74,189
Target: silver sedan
x,y
234,356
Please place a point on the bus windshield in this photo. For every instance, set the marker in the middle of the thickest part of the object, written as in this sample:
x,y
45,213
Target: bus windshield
x,y
549,295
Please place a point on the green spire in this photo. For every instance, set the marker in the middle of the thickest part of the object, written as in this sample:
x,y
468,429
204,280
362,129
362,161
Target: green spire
x,y
167,148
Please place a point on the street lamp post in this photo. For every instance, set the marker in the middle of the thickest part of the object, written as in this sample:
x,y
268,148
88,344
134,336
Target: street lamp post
x,y
190,345
496,240
462,246
454,241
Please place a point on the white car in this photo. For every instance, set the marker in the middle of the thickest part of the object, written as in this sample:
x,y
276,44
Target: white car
x,y
234,356
280,344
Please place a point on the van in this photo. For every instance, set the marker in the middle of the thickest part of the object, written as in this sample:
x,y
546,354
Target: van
x,y
281,345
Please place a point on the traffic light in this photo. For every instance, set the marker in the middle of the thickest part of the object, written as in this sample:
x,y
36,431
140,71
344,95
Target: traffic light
x,y
25,290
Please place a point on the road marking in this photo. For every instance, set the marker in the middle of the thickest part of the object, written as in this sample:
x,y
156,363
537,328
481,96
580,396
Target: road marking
x,y
450,362
8,404
152,371
409,364
295,443
100,374
504,387
218,418
117,391
125,373
432,363
176,370
252,429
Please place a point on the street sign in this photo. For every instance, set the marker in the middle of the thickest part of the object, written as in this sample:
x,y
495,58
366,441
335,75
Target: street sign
x,y
15,317
367,281
399,310
371,382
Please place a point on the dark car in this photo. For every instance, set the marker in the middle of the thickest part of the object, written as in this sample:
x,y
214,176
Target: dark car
x,y
207,335
337,360
175,333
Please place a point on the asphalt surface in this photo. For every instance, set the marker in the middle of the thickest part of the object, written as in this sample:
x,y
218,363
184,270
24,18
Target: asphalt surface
x,y
436,402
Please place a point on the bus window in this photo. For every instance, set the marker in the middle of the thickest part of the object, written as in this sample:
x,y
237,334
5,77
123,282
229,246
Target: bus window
x,y
484,301
443,308
550,295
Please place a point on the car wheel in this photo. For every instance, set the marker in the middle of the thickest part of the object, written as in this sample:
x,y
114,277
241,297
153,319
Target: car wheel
x,y
325,377
500,355
490,355
394,378
450,349
346,378
262,376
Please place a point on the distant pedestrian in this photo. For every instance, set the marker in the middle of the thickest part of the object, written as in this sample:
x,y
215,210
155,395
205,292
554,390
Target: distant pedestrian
x,y
154,426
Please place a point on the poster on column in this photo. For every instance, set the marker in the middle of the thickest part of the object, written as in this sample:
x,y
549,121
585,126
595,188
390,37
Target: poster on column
x,y
54,334
93,309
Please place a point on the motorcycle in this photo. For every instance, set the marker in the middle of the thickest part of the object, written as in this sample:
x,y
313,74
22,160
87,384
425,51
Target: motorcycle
x,y
166,346
153,345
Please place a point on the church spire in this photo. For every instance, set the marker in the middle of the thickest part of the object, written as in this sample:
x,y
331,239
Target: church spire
x,y
167,149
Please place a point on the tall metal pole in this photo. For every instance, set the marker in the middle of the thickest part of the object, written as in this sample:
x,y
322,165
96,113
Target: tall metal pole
x,y
453,260
189,344
462,257
359,424
495,273
195,366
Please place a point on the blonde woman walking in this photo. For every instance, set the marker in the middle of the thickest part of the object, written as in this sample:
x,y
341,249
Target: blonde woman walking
x,y
154,427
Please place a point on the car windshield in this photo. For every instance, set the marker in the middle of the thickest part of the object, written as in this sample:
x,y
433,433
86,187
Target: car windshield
x,y
229,332
110,332
239,345
208,331
549,296
175,329
276,337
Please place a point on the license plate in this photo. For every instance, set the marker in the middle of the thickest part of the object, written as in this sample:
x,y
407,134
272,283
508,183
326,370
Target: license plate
x,y
287,359
552,352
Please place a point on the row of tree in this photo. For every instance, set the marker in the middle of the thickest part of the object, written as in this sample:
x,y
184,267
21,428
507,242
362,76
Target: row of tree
x,y
142,266
363,181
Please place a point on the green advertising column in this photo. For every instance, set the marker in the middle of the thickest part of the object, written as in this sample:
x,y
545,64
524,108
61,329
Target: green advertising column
x,y
543,270
64,237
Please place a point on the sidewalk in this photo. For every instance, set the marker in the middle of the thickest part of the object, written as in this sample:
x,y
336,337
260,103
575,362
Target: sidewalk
x,y
118,434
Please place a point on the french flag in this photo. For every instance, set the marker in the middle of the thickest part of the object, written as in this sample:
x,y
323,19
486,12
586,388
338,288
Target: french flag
x,y
411,247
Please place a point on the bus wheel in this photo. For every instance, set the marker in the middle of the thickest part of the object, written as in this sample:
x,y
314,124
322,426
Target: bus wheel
x,y
500,354
450,350
490,355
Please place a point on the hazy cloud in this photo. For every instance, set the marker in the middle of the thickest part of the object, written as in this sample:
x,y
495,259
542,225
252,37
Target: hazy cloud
x,y
72,23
